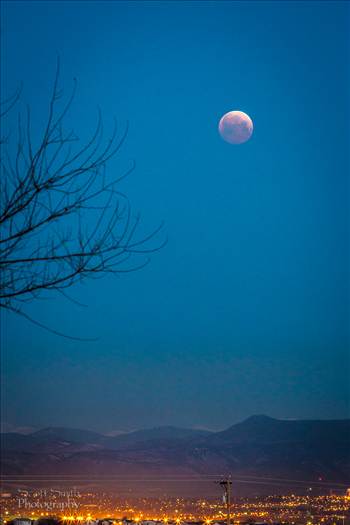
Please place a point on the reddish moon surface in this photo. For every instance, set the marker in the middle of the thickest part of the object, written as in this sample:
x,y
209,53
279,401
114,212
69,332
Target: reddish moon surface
x,y
236,127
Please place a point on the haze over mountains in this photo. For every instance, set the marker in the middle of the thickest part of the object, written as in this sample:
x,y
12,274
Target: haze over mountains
x,y
259,447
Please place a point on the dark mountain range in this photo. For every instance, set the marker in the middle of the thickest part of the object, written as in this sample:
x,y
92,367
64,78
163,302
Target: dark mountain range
x,y
264,429
260,447
166,432
57,436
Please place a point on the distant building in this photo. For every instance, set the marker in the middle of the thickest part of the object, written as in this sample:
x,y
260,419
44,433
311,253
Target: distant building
x,y
105,522
20,521
126,521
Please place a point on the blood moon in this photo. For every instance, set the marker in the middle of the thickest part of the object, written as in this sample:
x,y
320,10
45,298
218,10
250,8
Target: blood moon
x,y
236,127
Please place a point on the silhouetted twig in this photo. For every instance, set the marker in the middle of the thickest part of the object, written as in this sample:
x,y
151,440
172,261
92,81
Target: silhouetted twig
x,y
62,219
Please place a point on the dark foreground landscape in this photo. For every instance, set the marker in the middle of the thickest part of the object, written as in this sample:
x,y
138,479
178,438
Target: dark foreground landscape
x,y
97,508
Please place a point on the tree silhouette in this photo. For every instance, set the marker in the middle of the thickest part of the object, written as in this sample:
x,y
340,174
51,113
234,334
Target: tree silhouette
x,y
62,219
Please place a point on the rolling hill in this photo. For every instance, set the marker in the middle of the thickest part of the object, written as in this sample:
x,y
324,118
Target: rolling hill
x,y
258,448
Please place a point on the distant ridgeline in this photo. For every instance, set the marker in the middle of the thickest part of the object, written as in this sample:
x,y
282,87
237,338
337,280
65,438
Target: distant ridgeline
x,y
262,454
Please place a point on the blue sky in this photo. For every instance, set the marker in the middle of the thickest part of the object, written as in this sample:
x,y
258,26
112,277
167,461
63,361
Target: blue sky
x,y
246,309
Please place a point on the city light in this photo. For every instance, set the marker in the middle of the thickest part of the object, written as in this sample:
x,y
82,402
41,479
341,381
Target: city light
x,y
109,509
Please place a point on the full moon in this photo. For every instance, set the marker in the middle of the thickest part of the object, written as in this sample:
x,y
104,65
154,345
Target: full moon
x,y
236,127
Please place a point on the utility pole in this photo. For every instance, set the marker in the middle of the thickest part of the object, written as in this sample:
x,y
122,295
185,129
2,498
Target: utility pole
x,y
309,516
226,485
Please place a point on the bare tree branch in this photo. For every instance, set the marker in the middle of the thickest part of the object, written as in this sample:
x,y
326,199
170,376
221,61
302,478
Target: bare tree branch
x,y
62,219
